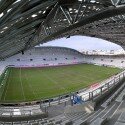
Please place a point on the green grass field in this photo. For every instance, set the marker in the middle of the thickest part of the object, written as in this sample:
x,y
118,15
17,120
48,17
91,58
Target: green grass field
x,y
40,83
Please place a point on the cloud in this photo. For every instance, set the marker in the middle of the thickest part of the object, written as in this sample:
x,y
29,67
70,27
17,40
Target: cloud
x,y
83,43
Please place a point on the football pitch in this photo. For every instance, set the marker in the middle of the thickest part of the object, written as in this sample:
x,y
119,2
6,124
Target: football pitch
x,y
30,84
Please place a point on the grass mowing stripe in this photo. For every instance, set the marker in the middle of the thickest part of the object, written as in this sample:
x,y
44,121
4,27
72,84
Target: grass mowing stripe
x,y
74,73
31,88
77,80
52,80
24,98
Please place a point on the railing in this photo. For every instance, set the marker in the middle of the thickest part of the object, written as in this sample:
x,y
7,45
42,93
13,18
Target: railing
x,y
104,86
85,94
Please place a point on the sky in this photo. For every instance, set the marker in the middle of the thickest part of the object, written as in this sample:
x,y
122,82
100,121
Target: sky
x,y
83,43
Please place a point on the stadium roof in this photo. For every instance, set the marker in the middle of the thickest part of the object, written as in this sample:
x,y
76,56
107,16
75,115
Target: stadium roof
x,y
26,23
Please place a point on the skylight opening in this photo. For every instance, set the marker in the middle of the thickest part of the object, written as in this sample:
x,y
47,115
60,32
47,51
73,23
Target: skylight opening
x,y
64,19
44,12
17,1
40,11
34,15
70,9
9,10
1,31
5,27
1,15
92,1
76,11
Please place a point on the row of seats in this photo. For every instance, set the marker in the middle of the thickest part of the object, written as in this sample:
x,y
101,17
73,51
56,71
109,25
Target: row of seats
x,y
43,56
112,98
69,119
79,118
106,61
121,96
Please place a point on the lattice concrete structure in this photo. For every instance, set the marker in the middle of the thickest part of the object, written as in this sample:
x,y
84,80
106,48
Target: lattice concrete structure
x,y
26,23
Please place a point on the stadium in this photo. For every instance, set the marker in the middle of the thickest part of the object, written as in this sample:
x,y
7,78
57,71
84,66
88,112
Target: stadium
x,y
52,85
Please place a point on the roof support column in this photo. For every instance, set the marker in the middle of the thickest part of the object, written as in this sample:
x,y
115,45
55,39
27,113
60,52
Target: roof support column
x,y
68,18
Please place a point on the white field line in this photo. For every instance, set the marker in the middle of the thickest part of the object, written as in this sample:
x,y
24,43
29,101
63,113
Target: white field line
x,y
21,85
7,86
30,86
117,109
